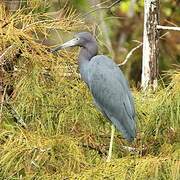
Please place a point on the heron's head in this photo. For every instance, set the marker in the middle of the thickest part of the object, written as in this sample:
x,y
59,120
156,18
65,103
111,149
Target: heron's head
x,y
82,39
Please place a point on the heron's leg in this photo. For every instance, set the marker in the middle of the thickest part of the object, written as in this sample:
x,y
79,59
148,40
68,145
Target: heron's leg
x,y
111,143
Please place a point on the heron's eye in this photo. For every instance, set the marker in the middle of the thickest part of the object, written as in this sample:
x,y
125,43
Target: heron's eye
x,y
77,38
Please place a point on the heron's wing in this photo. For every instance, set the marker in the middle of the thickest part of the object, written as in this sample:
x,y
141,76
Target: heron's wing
x,y
111,93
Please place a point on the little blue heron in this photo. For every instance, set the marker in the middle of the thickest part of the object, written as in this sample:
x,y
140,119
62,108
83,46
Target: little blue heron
x,y
107,84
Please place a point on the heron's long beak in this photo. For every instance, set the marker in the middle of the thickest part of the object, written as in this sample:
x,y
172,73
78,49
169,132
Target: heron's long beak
x,y
71,43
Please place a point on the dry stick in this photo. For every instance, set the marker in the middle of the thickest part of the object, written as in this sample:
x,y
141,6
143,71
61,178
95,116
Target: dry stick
x,y
99,4
134,49
171,23
168,28
2,55
100,8
37,22
15,114
163,35
130,54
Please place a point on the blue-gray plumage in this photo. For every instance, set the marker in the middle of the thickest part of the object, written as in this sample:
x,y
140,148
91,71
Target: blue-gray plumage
x,y
107,84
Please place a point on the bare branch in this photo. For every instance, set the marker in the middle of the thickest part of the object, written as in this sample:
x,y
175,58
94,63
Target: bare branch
x,y
171,23
2,55
168,28
100,8
39,22
163,35
130,54
99,4
15,114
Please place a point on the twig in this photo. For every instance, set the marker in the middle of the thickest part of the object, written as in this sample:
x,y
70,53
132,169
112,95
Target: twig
x,y
171,23
15,114
99,4
130,54
168,28
163,35
38,22
100,8
5,51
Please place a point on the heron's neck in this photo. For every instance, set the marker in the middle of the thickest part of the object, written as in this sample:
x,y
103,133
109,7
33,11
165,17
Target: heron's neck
x,y
87,52
85,56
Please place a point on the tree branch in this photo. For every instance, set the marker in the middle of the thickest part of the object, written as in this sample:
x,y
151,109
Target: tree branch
x,y
2,55
15,114
168,28
100,8
130,54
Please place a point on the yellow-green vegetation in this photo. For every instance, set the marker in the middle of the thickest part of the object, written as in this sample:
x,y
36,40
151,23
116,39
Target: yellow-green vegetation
x,y
66,137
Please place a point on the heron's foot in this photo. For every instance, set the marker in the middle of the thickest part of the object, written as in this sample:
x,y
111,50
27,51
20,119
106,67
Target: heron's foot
x,y
130,149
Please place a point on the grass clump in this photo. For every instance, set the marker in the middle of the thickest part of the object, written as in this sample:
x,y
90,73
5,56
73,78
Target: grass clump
x,y
66,137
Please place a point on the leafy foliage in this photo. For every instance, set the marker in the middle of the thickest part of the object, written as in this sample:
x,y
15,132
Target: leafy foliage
x,y
66,137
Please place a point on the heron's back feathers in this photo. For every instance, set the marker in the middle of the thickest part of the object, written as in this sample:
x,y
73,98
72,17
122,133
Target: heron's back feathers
x,y
112,94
